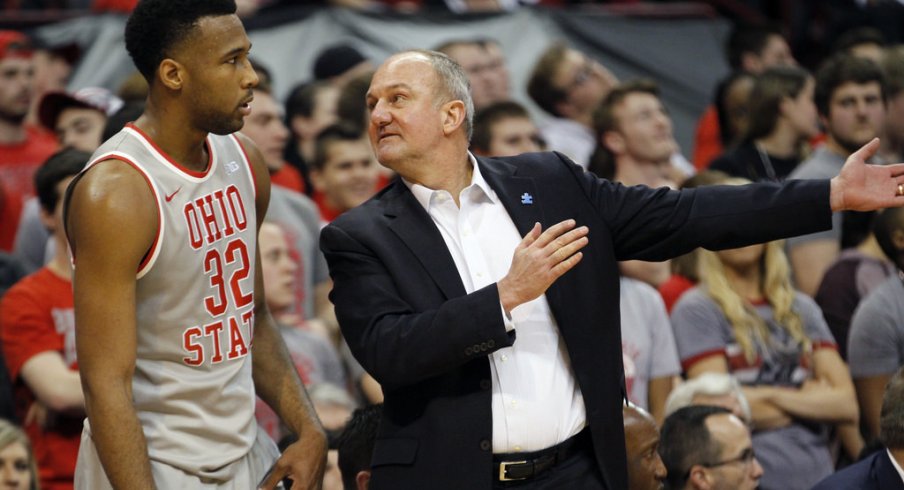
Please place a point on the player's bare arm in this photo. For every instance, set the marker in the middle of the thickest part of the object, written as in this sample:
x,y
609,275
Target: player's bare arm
x,y
111,223
275,378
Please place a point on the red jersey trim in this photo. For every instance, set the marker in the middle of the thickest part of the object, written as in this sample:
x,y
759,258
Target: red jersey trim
x,y
247,163
165,156
152,252
690,361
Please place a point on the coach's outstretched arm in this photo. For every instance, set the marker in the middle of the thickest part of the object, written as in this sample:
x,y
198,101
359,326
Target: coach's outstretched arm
x,y
111,223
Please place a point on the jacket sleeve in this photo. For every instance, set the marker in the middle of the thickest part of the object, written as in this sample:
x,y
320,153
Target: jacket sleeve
x,y
658,224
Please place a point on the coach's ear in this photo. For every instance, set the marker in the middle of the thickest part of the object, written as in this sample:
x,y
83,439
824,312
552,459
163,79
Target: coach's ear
x,y
170,73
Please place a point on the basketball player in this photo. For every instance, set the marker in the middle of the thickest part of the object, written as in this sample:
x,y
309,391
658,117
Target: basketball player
x,y
162,226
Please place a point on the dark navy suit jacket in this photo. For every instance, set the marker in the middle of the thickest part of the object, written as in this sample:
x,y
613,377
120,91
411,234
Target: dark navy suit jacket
x,y
404,311
874,472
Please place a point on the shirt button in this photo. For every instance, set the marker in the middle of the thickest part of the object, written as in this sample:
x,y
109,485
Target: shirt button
x,y
504,358
517,448
485,445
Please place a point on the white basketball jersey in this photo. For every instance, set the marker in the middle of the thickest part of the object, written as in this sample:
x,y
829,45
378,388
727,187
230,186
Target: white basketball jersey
x,y
192,385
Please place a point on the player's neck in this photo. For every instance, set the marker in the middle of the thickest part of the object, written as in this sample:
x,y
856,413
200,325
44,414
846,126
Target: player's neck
x,y
181,143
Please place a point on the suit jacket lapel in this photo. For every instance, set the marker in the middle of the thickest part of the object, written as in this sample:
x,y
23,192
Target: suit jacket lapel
x,y
411,223
516,193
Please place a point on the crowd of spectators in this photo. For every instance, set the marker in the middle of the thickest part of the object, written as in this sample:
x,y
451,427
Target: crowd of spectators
x,y
795,341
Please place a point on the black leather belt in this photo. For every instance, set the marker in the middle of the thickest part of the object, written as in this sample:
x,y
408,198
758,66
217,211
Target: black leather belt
x,y
521,466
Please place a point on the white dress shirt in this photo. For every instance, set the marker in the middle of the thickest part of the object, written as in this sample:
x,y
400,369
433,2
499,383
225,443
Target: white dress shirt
x,y
895,463
536,400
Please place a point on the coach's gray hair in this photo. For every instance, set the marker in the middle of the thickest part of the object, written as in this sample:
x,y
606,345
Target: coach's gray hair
x,y
455,84
708,384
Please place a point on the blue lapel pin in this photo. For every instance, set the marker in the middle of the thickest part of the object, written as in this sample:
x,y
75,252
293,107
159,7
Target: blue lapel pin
x,y
527,198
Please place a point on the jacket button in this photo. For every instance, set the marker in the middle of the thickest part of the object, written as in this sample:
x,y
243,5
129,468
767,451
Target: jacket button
x,y
483,346
485,445
468,351
491,343
485,384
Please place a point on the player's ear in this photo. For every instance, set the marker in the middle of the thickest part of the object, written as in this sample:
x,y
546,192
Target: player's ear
x,y
171,74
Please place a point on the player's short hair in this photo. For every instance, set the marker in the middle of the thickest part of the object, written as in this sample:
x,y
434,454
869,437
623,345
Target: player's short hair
x,y
156,26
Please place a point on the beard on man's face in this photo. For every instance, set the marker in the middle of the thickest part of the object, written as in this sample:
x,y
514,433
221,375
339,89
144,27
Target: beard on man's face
x,y
12,117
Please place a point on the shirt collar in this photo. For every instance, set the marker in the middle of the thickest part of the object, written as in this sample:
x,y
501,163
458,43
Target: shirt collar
x,y
424,194
896,465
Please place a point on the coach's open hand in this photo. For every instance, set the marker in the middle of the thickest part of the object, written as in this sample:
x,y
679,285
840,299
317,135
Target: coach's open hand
x,y
864,187
303,462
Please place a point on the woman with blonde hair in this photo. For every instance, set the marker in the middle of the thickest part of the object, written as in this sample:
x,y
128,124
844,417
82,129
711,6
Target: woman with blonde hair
x,y
746,319
18,470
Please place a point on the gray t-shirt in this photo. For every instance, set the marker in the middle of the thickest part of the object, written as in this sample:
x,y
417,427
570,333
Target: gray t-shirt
x,y
300,220
648,344
793,457
822,164
876,344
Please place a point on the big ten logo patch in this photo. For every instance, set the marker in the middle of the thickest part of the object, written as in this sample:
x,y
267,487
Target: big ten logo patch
x,y
215,222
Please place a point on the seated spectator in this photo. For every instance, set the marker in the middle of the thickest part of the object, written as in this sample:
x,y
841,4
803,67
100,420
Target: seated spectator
x,y
344,172
313,355
746,319
645,468
78,119
356,446
266,128
296,214
37,330
882,469
23,147
635,146
876,344
484,64
649,354
718,389
781,119
53,63
860,268
505,129
17,463
708,448
850,97
864,42
569,86
310,107
351,105
751,48
732,98
683,269
892,149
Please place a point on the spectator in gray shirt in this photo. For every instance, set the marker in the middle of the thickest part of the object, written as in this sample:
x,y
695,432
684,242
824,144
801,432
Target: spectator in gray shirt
x,y
876,344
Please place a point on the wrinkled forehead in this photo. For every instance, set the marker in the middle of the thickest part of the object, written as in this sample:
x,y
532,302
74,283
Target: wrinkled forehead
x,y
407,70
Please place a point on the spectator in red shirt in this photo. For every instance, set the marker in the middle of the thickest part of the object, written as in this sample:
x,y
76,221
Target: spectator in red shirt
x,y
22,147
37,332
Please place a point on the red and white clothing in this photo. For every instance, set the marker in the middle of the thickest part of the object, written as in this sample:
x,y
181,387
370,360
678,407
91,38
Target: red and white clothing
x,y
36,316
18,163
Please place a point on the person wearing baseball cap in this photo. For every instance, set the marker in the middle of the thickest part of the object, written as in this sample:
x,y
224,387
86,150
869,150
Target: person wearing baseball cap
x,y
22,147
78,118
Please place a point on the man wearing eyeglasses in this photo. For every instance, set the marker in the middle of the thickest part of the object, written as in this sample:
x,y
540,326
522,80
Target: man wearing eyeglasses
x,y
569,85
708,448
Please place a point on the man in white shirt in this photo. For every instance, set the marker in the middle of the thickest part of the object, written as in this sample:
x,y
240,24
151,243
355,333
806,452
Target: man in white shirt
x,y
483,293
